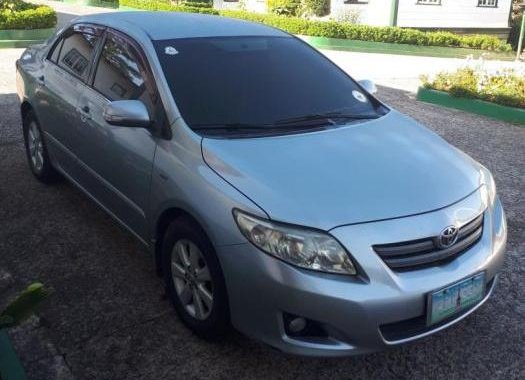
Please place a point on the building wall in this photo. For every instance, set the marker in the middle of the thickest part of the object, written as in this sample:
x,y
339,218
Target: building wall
x,y
371,12
449,14
453,14
258,6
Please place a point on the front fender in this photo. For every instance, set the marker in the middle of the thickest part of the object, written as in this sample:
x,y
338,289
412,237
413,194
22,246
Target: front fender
x,y
181,180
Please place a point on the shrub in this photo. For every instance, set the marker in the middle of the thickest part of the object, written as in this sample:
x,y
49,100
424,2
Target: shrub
x,y
333,29
197,4
318,7
284,7
23,306
15,5
20,15
505,87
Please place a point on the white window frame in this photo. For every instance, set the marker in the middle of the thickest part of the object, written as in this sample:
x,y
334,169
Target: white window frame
x,y
488,3
428,2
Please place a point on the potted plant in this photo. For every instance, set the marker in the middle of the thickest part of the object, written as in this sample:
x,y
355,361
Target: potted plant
x,y
13,315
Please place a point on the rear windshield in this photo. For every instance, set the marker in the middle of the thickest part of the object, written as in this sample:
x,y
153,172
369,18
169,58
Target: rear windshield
x,y
258,82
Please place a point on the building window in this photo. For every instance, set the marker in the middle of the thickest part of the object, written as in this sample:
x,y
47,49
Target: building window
x,y
356,2
429,2
488,3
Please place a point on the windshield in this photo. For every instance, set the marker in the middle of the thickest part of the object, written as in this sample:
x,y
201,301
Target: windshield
x,y
257,84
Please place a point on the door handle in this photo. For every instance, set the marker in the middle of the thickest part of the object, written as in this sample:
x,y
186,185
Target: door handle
x,y
41,80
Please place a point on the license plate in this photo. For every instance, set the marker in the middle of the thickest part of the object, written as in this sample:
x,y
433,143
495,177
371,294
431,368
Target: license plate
x,y
455,298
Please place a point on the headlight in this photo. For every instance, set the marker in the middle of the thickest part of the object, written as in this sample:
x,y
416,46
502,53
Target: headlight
x,y
302,247
490,186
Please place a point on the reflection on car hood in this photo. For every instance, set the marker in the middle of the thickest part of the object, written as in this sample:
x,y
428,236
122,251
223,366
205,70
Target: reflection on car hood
x,y
380,169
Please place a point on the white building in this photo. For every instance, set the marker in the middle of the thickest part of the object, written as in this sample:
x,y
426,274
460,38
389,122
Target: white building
x,y
462,16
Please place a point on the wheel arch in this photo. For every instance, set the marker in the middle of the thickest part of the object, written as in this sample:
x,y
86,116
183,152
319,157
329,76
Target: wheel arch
x,y
25,108
162,223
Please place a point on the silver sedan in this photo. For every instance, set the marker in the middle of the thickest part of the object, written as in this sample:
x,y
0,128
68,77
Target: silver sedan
x,y
276,194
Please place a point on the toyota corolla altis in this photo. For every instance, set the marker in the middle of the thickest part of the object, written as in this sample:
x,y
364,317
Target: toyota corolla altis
x,y
276,193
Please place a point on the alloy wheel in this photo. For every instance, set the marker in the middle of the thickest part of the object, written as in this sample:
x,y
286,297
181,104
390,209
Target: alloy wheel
x,y
36,147
191,278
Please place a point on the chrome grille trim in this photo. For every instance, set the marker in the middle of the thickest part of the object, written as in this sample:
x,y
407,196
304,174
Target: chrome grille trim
x,y
421,252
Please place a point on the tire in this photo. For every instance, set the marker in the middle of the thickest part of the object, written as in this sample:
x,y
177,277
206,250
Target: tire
x,y
36,150
189,291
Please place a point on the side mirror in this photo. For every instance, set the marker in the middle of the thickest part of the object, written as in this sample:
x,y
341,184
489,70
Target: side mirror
x,y
368,85
127,113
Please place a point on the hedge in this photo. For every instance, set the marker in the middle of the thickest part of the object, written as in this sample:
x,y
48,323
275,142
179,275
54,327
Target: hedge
x,y
505,87
334,29
27,16
197,4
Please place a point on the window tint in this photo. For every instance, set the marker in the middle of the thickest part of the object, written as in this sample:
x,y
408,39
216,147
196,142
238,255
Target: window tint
x,y
76,53
120,73
256,81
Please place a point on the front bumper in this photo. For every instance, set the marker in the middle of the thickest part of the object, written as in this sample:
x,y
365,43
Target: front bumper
x,y
359,313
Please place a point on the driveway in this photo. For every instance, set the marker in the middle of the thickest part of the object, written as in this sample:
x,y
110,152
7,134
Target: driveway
x,y
109,319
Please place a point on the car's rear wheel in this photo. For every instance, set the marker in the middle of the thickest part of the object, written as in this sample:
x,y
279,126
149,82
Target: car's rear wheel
x,y
36,150
194,279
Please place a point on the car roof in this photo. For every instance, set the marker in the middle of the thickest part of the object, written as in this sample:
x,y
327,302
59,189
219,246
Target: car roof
x,y
173,25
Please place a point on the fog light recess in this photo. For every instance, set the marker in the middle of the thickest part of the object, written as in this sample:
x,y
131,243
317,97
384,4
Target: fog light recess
x,y
297,326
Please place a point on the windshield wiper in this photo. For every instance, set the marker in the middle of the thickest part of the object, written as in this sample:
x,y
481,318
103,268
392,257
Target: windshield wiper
x,y
259,128
328,117
297,124
230,126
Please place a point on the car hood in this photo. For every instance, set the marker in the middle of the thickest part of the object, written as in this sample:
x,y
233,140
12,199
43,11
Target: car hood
x,y
380,169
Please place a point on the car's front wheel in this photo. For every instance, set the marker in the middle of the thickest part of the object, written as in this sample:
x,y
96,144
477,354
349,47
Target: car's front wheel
x,y
194,279
36,150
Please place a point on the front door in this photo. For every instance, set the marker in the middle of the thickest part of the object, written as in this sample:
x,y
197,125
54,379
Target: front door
x,y
117,161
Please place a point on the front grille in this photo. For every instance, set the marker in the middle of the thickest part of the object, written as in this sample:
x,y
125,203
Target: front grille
x,y
410,328
423,252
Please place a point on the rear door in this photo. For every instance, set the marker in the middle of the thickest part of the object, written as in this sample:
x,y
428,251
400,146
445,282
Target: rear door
x,y
66,67
117,161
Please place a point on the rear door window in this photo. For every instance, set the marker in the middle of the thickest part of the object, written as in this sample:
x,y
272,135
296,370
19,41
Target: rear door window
x,y
76,52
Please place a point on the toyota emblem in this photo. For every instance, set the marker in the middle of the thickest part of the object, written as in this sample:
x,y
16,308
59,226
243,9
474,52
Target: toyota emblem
x,y
448,237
